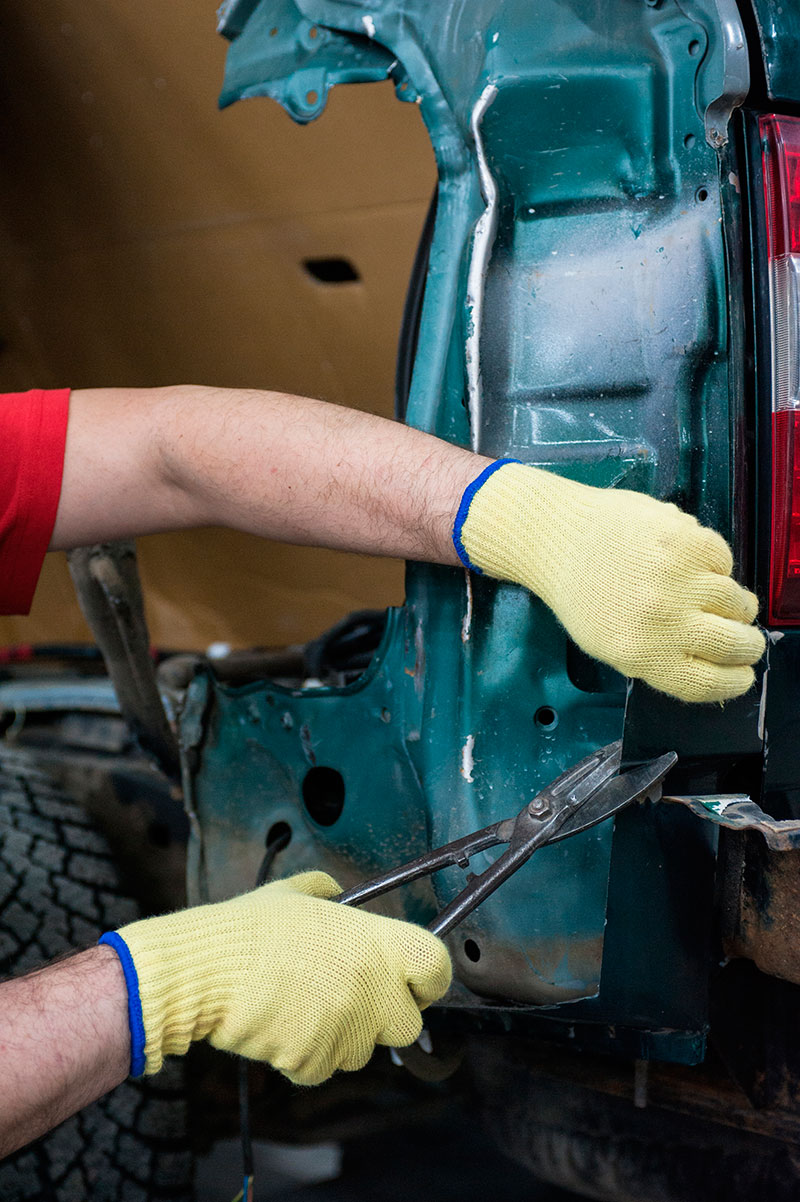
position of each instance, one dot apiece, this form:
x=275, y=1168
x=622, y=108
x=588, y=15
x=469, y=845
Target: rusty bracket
x=759, y=882
x=737, y=812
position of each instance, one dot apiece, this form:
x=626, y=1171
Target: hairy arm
x=636, y=582
x=140, y=461
x=64, y=1041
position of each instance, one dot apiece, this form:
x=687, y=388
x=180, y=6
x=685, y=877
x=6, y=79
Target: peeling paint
x=305, y=743
x=467, y=759
x=719, y=807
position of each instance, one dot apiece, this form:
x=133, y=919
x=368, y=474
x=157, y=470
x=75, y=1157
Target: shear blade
x=615, y=795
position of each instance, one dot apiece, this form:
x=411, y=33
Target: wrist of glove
x=636, y=582
x=281, y=974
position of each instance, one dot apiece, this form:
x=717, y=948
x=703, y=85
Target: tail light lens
x=780, y=141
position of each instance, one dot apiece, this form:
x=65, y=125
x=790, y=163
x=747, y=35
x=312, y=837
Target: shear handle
x=458, y=852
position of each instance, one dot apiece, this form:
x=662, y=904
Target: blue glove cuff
x=135, y=1019
x=463, y=510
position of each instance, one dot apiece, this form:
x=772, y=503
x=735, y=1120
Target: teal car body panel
x=581, y=312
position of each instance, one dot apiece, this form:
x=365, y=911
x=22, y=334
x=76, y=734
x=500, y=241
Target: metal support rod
x=106, y=579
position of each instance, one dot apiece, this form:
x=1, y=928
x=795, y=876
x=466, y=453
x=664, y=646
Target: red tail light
x=780, y=141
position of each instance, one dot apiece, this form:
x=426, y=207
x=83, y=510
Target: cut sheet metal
x=738, y=812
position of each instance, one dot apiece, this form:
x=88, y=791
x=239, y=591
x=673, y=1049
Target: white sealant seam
x=762, y=705
x=466, y=623
x=467, y=759
x=482, y=242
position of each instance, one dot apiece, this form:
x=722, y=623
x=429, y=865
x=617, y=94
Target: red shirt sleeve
x=33, y=435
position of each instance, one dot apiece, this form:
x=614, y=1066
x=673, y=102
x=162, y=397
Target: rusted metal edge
x=738, y=812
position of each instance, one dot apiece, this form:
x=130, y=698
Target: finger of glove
x=355, y=1050
x=313, y=1071
x=428, y=970
x=721, y=641
x=722, y=595
x=702, y=681
x=403, y=1022
x=312, y=884
x=714, y=552
x=350, y=1049
x=357, y=1059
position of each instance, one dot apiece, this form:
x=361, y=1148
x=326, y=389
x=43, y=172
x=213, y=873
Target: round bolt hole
x=323, y=795
x=279, y=833
x=472, y=951
x=701, y=195
x=312, y=97
x=689, y=141
x=694, y=48
x=546, y=718
x=158, y=833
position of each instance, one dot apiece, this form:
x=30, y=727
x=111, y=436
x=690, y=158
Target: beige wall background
x=146, y=239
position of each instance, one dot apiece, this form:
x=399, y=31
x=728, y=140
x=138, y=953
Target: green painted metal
x=779, y=34
x=295, y=61
x=578, y=261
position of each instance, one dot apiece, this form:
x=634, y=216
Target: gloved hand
x=636, y=582
x=280, y=974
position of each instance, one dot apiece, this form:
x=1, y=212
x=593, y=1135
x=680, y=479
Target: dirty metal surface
x=610, y=1131
x=762, y=920
x=706, y=1093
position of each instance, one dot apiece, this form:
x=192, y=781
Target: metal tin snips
x=583, y=796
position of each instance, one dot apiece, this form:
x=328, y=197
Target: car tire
x=59, y=890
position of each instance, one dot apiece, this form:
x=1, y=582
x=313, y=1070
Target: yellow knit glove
x=636, y=582
x=280, y=974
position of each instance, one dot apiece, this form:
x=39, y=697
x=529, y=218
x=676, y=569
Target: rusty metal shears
x=586, y=794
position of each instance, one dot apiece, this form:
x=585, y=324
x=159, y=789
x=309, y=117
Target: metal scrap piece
x=737, y=812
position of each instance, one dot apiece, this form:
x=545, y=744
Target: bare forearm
x=285, y=467
x=64, y=1041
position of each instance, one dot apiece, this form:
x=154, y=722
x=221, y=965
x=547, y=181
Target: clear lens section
x=784, y=303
